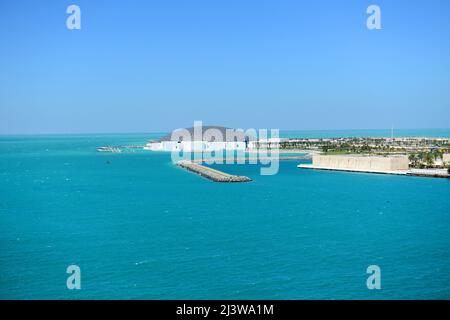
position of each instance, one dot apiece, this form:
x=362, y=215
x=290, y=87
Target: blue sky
x=142, y=66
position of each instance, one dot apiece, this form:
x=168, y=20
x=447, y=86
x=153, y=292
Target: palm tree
x=429, y=160
x=421, y=156
x=437, y=154
x=413, y=159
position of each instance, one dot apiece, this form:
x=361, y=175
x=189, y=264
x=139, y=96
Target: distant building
x=270, y=143
x=204, y=138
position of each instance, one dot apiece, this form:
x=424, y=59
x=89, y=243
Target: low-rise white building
x=204, y=138
x=359, y=162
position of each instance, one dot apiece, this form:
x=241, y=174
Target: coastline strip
x=410, y=172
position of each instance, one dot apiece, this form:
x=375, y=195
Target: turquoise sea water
x=139, y=227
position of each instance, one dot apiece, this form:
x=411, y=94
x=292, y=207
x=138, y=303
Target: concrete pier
x=253, y=159
x=397, y=172
x=212, y=174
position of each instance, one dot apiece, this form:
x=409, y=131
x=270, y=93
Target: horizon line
x=164, y=132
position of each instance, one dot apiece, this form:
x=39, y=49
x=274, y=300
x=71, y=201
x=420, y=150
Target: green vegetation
x=425, y=159
x=414, y=160
x=370, y=145
x=353, y=148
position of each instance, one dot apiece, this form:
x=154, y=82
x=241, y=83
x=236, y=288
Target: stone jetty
x=212, y=174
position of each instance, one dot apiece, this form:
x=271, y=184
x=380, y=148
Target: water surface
x=139, y=227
